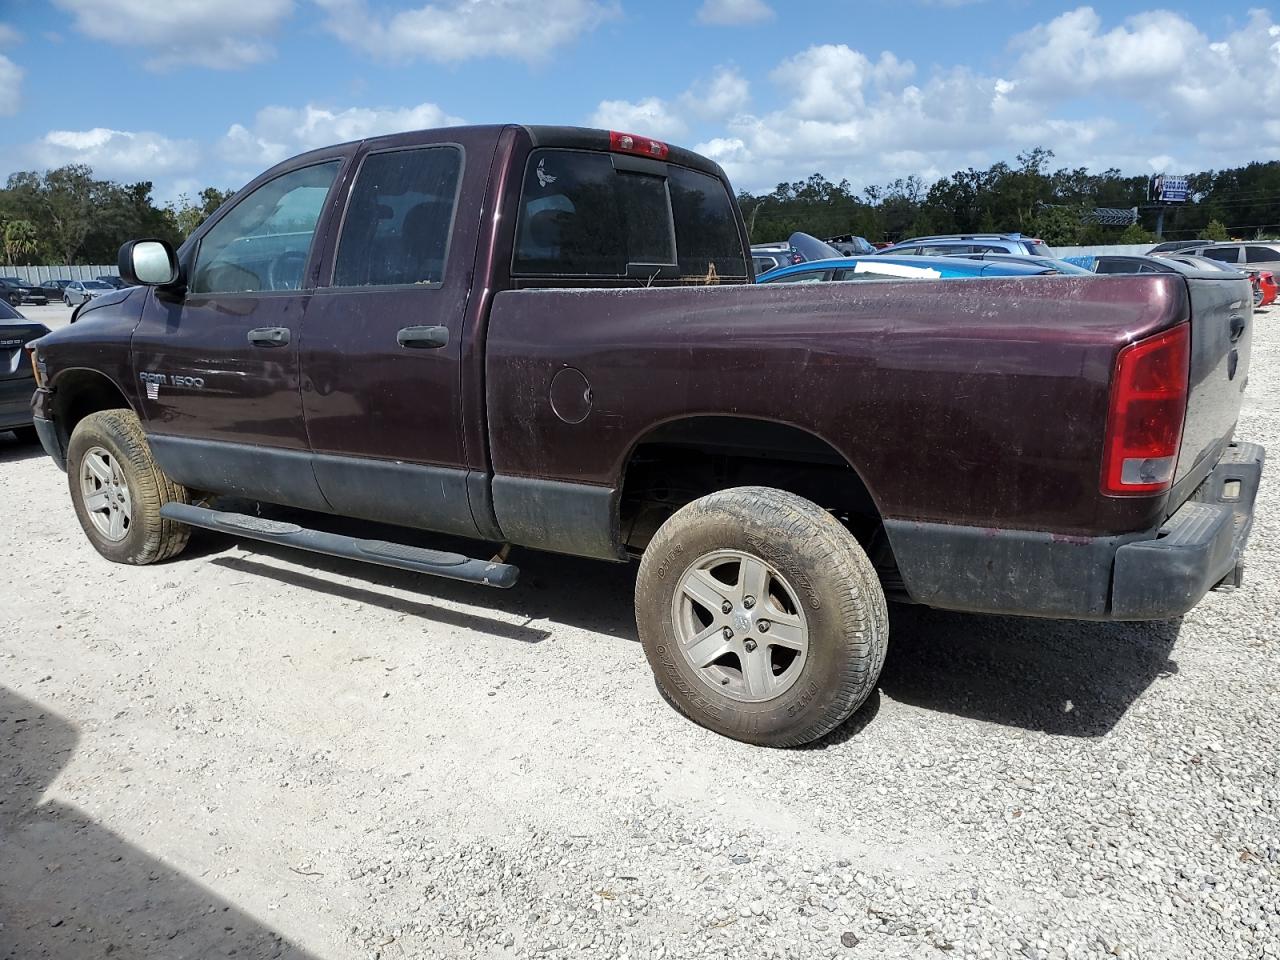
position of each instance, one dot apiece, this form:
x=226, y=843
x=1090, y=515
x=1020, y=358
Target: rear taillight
x=1148, y=406
x=641, y=146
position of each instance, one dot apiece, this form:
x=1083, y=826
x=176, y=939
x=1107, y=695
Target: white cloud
x=8, y=35
x=732, y=13
x=832, y=80
x=10, y=86
x=456, y=30
x=720, y=98
x=227, y=34
x=278, y=133
x=725, y=95
x=651, y=117
x=120, y=154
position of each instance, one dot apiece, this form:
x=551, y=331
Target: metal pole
x=1160, y=223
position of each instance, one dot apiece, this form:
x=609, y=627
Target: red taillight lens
x=1148, y=406
x=642, y=146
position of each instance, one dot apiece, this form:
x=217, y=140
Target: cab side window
x=399, y=219
x=263, y=243
x=1261, y=255
x=1224, y=254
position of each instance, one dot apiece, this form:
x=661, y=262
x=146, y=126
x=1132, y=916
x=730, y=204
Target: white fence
x=40, y=274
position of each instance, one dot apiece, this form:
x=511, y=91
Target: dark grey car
x=17, y=380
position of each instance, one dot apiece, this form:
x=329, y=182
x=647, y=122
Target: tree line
x=1027, y=196
x=69, y=216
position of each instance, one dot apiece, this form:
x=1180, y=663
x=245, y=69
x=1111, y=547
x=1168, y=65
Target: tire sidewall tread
x=831, y=576
x=151, y=538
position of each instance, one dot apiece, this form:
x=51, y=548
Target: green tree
x=1216, y=230
x=187, y=214
x=1058, y=226
x=1136, y=233
x=20, y=241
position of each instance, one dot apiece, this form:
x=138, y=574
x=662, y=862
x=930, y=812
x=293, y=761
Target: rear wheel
x=761, y=616
x=118, y=490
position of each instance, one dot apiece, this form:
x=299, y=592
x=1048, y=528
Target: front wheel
x=118, y=490
x=761, y=616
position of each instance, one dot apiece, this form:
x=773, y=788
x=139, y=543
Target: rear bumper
x=15, y=402
x=1197, y=548
x=1151, y=575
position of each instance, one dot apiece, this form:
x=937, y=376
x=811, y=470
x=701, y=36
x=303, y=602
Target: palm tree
x=19, y=240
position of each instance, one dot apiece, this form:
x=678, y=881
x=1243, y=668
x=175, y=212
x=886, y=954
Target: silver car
x=1256, y=255
x=78, y=291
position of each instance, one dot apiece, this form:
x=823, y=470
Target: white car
x=78, y=291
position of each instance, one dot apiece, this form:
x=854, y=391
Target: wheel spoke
x=708, y=646
x=787, y=631
x=757, y=670
x=753, y=579
x=97, y=501
x=117, y=523
x=705, y=590
x=100, y=470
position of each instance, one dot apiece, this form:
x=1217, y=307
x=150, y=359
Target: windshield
x=97, y=285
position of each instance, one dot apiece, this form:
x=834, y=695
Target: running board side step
x=454, y=566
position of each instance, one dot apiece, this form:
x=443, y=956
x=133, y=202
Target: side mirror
x=151, y=263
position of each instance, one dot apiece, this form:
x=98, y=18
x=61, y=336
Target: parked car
x=965, y=243
x=16, y=292
x=53, y=288
x=1052, y=263
x=899, y=268
x=111, y=280
x=581, y=364
x=17, y=381
x=767, y=256
x=1251, y=255
x=851, y=245
x=1169, y=246
x=78, y=291
x=1264, y=286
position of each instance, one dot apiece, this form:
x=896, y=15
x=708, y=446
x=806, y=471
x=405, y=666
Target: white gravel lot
x=256, y=753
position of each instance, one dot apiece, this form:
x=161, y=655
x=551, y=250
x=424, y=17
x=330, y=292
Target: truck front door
x=382, y=341
x=218, y=362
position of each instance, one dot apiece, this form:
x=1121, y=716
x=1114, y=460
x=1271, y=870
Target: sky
x=195, y=93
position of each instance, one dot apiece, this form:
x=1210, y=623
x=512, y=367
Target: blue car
x=881, y=267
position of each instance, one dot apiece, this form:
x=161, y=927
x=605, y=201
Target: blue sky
x=189, y=93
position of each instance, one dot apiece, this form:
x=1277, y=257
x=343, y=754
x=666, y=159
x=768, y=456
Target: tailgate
x=1221, y=334
x=13, y=358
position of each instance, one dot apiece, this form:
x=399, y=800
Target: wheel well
x=80, y=393
x=681, y=461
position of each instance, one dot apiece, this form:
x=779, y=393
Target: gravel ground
x=245, y=753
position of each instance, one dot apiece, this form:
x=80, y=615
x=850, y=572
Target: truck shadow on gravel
x=72, y=889
x=15, y=451
x=1063, y=677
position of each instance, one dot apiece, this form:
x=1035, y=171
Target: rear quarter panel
x=979, y=402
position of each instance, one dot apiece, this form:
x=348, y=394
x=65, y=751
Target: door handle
x=427, y=338
x=1237, y=328
x=269, y=336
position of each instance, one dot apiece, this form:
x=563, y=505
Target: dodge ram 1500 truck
x=549, y=337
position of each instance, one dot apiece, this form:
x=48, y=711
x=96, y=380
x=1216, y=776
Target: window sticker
x=544, y=179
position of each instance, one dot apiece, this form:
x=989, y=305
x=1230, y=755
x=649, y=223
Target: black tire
x=149, y=537
x=26, y=435
x=843, y=607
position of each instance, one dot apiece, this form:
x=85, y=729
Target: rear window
x=1037, y=249
x=1261, y=254
x=1225, y=254
x=581, y=217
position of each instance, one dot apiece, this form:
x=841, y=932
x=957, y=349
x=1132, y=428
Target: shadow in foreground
x=13, y=450
x=70, y=889
x=1066, y=677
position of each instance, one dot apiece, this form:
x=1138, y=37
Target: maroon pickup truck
x=549, y=337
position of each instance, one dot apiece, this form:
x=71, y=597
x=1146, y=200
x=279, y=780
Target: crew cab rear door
x=382, y=341
x=217, y=362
